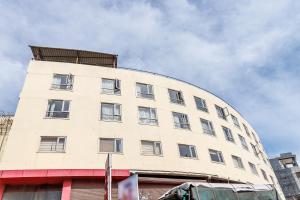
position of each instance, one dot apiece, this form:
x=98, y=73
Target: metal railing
x=111, y=117
x=62, y=86
x=57, y=114
x=111, y=91
x=148, y=121
x=145, y=95
x=183, y=125
x=52, y=148
x=209, y=132
x=178, y=101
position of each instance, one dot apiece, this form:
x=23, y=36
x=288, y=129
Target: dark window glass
x=187, y=151
x=30, y=192
x=176, y=96
x=58, y=109
x=201, y=104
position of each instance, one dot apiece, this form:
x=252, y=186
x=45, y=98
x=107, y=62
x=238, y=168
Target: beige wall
x=84, y=127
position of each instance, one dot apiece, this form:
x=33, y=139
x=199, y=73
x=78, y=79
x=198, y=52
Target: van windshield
x=203, y=193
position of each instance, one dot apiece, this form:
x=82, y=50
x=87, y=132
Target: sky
x=247, y=52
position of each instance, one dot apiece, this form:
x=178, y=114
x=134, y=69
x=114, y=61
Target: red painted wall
x=52, y=176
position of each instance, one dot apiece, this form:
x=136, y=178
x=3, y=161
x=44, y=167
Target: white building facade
x=71, y=115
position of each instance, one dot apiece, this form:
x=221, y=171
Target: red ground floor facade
x=70, y=184
x=65, y=179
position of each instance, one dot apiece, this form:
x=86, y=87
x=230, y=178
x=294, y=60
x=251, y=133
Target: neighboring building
x=6, y=120
x=77, y=106
x=287, y=172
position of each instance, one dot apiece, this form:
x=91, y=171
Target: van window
x=224, y=194
x=247, y=195
x=201, y=193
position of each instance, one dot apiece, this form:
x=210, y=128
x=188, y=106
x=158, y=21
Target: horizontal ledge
x=70, y=173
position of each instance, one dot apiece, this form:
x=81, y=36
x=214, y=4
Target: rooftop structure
x=74, y=56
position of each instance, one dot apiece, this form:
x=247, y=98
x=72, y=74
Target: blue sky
x=247, y=52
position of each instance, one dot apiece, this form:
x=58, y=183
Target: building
x=6, y=120
x=76, y=106
x=287, y=172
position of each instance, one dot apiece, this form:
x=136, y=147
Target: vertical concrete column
x=66, y=190
x=2, y=187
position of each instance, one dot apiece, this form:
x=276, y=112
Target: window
x=264, y=174
x=264, y=159
x=237, y=161
x=201, y=104
x=246, y=130
x=253, y=168
x=187, y=151
x=111, y=145
x=243, y=142
x=111, y=112
x=32, y=192
x=58, y=109
x=202, y=193
x=224, y=194
x=254, y=149
x=272, y=179
x=216, y=156
x=144, y=90
x=181, y=120
x=52, y=144
x=151, y=148
x=147, y=115
x=62, y=81
x=228, y=134
x=111, y=86
x=207, y=127
x=221, y=112
x=176, y=96
x=235, y=121
x=253, y=134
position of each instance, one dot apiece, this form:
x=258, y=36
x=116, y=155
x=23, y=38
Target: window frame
x=239, y=161
x=57, y=142
x=247, y=130
x=210, y=132
x=272, y=180
x=203, y=102
x=254, y=136
x=115, y=145
x=226, y=136
x=49, y=113
x=243, y=142
x=154, y=146
x=253, y=168
x=182, y=115
x=263, y=172
x=219, y=155
x=235, y=121
x=179, y=97
x=219, y=110
x=190, y=151
x=155, y=123
x=117, y=87
x=254, y=150
x=115, y=117
x=69, y=85
x=148, y=95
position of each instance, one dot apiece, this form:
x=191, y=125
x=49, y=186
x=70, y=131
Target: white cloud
x=244, y=51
